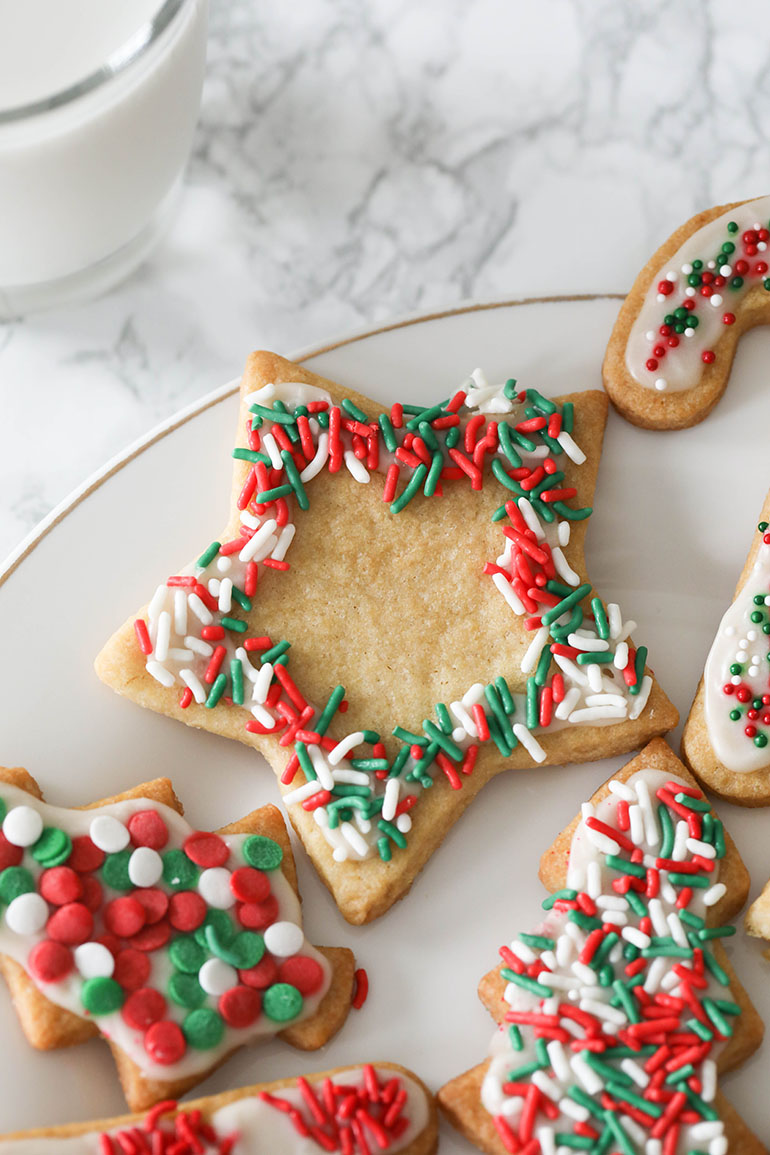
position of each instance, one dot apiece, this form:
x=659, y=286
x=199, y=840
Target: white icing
x=577, y=983
x=66, y=993
x=263, y=1129
x=681, y=368
x=738, y=639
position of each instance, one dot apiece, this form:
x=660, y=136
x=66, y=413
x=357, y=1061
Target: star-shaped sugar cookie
x=177, y=946
x=397, y=611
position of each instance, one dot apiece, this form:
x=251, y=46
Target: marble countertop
x=358, y=161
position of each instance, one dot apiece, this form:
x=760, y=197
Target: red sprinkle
x=240, y=1006
x=71, y=924
x=206, y=849
x=147, y=828
x=361, y=989
x=60, y=885
x=143, y=1008
x=165, y=1043
x=186, y=910
x=50, y=962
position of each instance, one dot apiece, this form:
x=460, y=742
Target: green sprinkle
x=101, y=996
x=186, y=955
x=704, y=1109
x=607, y=945
x=14, y=881
x=540, y=402
x=717, y=1018
x=434, y=473
x=223, y=924
x=699, y=804
x=408, y=736
x=499, y=471
x=628, y=1096
x=668, y=951
x=600, y=617
x=667, y=827
x=691, y=919
x=243, y=952
x=281, y=1002
x=425, y=415
x=273, y=415
x=595, y=657
x=514, y=1034
x=700, y=881
x=388, y=435
x=234, y=625
x=640, y=659
x=429, y=437
x=370, y=765
x=276, y=651
x=523, y=1072
x=329, y=710
x=616, y=1127
x=543, y=666
x=295, y=480
x=531, y=985
x=584, y=921
x=250, y=455
x=383, y=847
x=719, y=838
x=506, y=697
x=532, y=704
x=507, y=446
x=186, y=991
x=262, y=853
x=178, y=871
x=399, y=762
x=637, y=904
x=538, y=941
x=496, y=707
x=209, y=554
x=444, y=719
x=699, y=1029
x=712, y=965
x=566, y=604
x=566, y=894
x=413, y=487
x=115, y=870
x=447, y=744
x=626, y=1000
x=571, y=514
x=567, y=416
x=52, y=848
x=267, y=495
x=392, y=832
x=236, y=677
x=204, y=1029
x=240, y=597
x=624, y=867
x=217, y=690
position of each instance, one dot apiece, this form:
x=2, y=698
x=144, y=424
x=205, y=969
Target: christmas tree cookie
x=671, y=350
x=352, y=1110
x=397, y=611
x=726, y=739
x=620, y=1012
x=176, y=945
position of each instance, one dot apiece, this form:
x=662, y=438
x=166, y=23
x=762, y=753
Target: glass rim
x=137, y=44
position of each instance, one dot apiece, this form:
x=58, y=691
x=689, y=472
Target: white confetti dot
x=716, y=300
x=726, y=270
x=284, y=938
x=214, y=887
x=671, y=276
x=216, y=976
x=22, y=826
x=27, y=914
x=687, y=269
x=145, y=866
x=661, y=383
x=108, y=834
x=650, y=335
x=689, y=291
x=94, y=960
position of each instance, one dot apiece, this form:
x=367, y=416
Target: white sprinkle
x=545, y=1138
x=145, y=866
x=356, y=468
x=284, y=938
x=261, y=395
x=523, y=952
x=94, y=961
x=344, y=746
x=563, y=532
x=573, y=672
x=158, y=602
x=567, y=704
x=160, y=673
x=584, y=973
x=175, y=655
x=636, y=824
x=390, y=801
x=529, y=661
x=709, y=1080
x=558, y=1057
x=474, y=696
x=464, y=718
x=321, y=767
x=582, y=642
x=597, y=714
x=247, y=519
x=243, y=657
x=614, y=620
x=651, y=832
x=529, y=742
x=595, y=677
x=531, y=518
x=620, y=661
x=262, y=538
x=180, y=612
x=658, y=916
x=314, y=467
x=714, y=893
x=22, y=826
x=715, y=300
x=616, y=916
x=216, y=976
x=620, y=790
x=635, y=1072
x=588, y=1077
x=225, y=595
x=213, y=586
x=27, y=914
x=603, y=1011
x=214, y=887
x=224, y=564
x=302, y=793
x=676, y=929
x=636, y=937
x=109, y=834
x=270, y=446
x=593, y=879
x=163, y=636
x=404, y=823
x=506, y=589
x=661, y=384
x=353, y=777
x=679, y=852
x=563, y=568
x=285, y=538
x=546, y=1085
x=705, y=849
x=573, y=451
x=262, y=683
x=356, y=842
x=197, y=645
x=573, y=1110
x=202, y=613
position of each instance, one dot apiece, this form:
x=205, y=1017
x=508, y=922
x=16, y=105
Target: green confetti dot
x=203, y=1029
x=735, y=668
x=115, y=870
x=731, y=228
x=282, y=1002
x=242, y=952
x=735, y=715
x=178, y=871
x=101, y=996
x=186, y=991
x=736, y=283
x=262, y=853
x=760, y=740
x=15, y=880
x=186, y=954
x=697, y=264
x=53, y=847
x=223, y=926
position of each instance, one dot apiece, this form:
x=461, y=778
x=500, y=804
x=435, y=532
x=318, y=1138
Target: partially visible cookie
x=726, y=738
x=672, y=347
x=619, y=1012
x=177, y=946
x=353, y=1110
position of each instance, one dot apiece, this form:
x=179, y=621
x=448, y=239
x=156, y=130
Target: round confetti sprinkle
x=15, y=880
x=214, y=887
x=223, y=925
x=284, y=938
x=302, y=972
x=145, y=866
x=85, y=856
x=258, y=915
x=9, y=855
x=111, y=941
x=22, y=826
x=71, y=924
x=262, y=853
x=124, y=916
x=101, y=996
x=92, y=893
x=249, y=885
x=206, y=850
x=153, y=937
x=27, y=914
x=147, y=828
x=132, y=969
x=186, y=910
x=143, y=1008
x=53, y=847
x=109, y=834
x=240, y=1007
x=164, y=1042
x=264, y=974
x=186, y=991
x=178, y=871
x=216, y=976
x=115, y=870
x=94, y=960
x=60, y=884
x=282, y=1002
x=203, y=1029
x=50, y=962
x=154, y=901
x=186, y=955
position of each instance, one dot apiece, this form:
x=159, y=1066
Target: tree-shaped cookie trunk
x=620, y=1012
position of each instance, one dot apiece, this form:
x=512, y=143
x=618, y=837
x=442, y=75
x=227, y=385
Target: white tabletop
x=355, y=162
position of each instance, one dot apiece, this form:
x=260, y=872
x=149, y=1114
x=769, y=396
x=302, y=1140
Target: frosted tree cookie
x=669, y=357
x=397, y=611
x=618, y=1014
x=352, y=1110
x=726, y=739
x=177, y=946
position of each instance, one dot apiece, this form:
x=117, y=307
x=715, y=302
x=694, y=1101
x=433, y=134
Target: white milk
x=90, y=157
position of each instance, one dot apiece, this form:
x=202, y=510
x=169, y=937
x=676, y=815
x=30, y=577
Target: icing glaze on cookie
x=180, y=945
x=383, y=1107
x=581, y=668
x=695, y=295
x=737, y=674
x=623, y=964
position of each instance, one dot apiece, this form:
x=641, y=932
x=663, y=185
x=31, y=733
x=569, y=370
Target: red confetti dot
x=302, y=972
x=673, y=342
x=59, y=885
x=264, y=974
x=659, y=351
x=750, y=237
x=206, y=850
x=728, y=688
x=665, y=288
x=760, y=268
x=72, y=924
x=124, y=916
x=10, y=855
x=249, y=885
x=152, y=937
x=752, y=714
x=240, y=1006
x=86, y=855
x=719, y=282
x=664, y=330
x=743, y=693
x=741, y=267
x=708, y=356
x=165, y=1043
x=728, y=319
x=707, y=277
x=50, y=962
x=154, y=901
x=111, y=941
x=688, y=304
x=147, y=828
x=92, y=893
x=750, y=731
x=132, y=969
x=143, y=1008
x=706, y=291
x=258, y=915
x=186, y=910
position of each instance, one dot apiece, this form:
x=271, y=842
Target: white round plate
x=674, y=517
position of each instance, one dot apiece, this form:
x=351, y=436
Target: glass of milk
x=98, y=104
